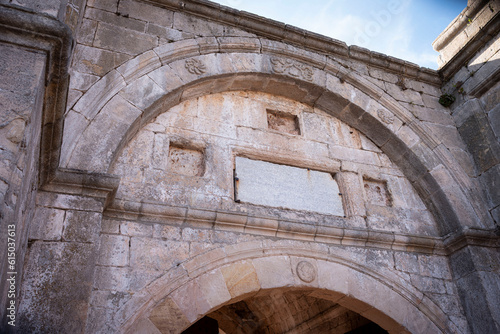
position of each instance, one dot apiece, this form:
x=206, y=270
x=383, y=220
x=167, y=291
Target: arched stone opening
x=251, y=271
x=290, y=311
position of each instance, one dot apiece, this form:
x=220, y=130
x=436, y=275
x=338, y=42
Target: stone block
x=153, y=255
x=491, y=182
x=82, y=81
x=333, y=277
x=146, y=12
x=241, y=279
x=286, y=186
x=48, y=224
x=139, y=66
x=475, y=305
x=112, y=278
x=274, y=272
x=116, y=20
x=110, y=126
x=168, y=317
x=109, y=5
x=110, y=226
x=51, y=271
x=167, y=232
x=142, y=93
x=96, y=61
x=114, y=250
x=494, y=118
x=144, y=326
x=99, y=94
x=123, y=40
x=434, y=266
x=133, y=229
x=239, y=44
x=191, y=301
x=179, y=50
x=71, y=202
x=354, y=155
x=74, y=124
x=197, y=26
x=82, y=226
x=86, y=33
x=213, y=288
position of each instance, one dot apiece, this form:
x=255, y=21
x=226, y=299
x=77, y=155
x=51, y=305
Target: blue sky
x=400, y=28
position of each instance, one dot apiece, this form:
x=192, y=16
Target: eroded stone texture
x=282, y=122
x=185, y=161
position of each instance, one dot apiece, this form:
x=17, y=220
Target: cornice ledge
x=461, y=58
x=272, y=226
x=78, y=182
x=471, y=237
x=275, y=30
x=457, y=24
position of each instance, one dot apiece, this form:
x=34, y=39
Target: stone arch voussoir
x=226, y=275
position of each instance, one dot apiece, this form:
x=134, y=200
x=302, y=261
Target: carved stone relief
x=385, y=116
x=195, y=66
x=291, y=68
x=306, y=271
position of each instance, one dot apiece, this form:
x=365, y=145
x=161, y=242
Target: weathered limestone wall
x=477, y=115
x=63, y=244
x=224, y=126
x=67, y=11
x=143, y=238
x=21, y=102
x=471, y=68
x=166, y=94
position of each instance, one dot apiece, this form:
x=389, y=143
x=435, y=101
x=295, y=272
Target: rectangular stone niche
x=282, y=122
x=186, y=161
x=377, y=192
x=281, y=186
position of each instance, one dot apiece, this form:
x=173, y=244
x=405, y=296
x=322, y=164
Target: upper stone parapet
x=467, y=32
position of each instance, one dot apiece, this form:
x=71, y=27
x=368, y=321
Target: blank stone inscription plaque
x=265, y=183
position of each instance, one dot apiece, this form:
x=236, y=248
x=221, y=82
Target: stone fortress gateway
x=166, y=161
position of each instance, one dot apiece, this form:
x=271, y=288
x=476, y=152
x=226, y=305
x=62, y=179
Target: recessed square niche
x=377, y=192
x=281, y=186
x=186, y=161
x=283, y=122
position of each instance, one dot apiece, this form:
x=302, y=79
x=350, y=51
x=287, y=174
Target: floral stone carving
x=291, y=68
x=195, y=66
x=385, y=116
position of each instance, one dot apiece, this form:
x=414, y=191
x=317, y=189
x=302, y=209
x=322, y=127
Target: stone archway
x=234, y=273
x=127, y=98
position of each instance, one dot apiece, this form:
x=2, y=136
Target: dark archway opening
x=281, y=312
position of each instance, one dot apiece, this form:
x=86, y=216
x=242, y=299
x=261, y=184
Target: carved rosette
x=195, y=66
x=306, y=271
x=385, y=116
x=292, y=69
